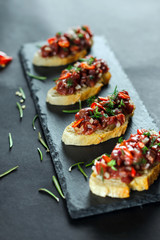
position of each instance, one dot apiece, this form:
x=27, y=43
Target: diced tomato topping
x=141, y=131
x=86, y=66
x=87, y=29
x=63, y=42
x=51, y=40
x=74, y=48
x=65, y=75
x=106, y=158
x=141, y=145
x=4, y=59
x=103, y=98
x=133, y=172
x=94, y=104
x=128, y=153
x=77, y=123
x=123, y=95
x=101, y=168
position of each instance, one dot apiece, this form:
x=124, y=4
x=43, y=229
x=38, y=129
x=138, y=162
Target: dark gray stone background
x=132, y=30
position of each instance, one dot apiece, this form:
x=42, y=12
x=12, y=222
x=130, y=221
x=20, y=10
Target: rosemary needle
x=58, y=186
x=40, y=154
x=10, y=140
x=36, y=77
x=22, y=93
x=70, y=168
x=33, y=122
x=20, y=110
x=82, y=171
x=50, y=193
x=9, y=171
x=43, y=142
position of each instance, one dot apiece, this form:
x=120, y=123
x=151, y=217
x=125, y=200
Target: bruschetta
x=66, y=48
x=105, y=118
x=133, y=164
x=79, y=82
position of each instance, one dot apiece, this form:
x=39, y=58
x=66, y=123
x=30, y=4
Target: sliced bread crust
x=54, y=61
x=55, y=98
x=70, y=137
x=117, y=189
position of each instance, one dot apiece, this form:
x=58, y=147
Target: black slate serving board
x=80, y=201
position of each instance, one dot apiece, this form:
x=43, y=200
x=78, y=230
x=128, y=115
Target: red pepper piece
x=63, y=42
x=86, y=66
x=77, y=122
x=141, y=145
x=141, y=131
x=123, y=95
x=133, y=172
x=65, y=75
x=51, y=40
x=103, y=98
x=87, y=29
x=74, y=48
x=4, y=59
x=94, y=104
x=101, y=168
x=106, y=158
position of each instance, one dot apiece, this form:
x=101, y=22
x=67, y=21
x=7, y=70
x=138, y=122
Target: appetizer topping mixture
x=4, y=59
x=69, y=43
x=84, y=73
x=104, y=112
x=130, y=158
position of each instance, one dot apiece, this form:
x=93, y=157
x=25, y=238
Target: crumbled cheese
x=78, y=87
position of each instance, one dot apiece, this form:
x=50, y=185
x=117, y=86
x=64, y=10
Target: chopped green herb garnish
x=105, y=115
x=69, y=82
x=144, y=150
x=50, y=193
x=82, y=171
x=89, y=60
x=123, y=153
x=9, y=171
x=112, y=164
x=58, y=33
x=158, y=144
x=69, y=67
x=70, y=168
x=90, y=100
x=71, y=111
x=152, y=141
x=80, y=35
x=36, y=77
x=33, y=122
x=147, y=134
x=58, y=186
x=20, y=110
x=40, y=154
x=121, y=104
x=43, y=142
x=10, y=140
x=120, y=139
x=22, y=93
x=83, y=28
x=141, y=161
x=91, y=77
x=96, y=114
x=55, y=79
x=114, y=94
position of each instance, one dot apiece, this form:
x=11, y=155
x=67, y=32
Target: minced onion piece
x=20, y=110
x=58, y=186
x=33, y=122
x=10, y=140
x=50, y=193
x=9, y=171
x=43, y=142
x=40, y=154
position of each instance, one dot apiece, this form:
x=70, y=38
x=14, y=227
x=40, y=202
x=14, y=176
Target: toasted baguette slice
x=54, y=61
x=70, y=137
x=55, y=98
x=117, y=189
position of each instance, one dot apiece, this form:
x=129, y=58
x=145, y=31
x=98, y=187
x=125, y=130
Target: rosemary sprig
x=33, y=122
x=58, y=186
x=43, y=142
x=50, y=193
x=82, y=171
x=20, y=110
x=10, y=140
x=40, y=154
x=22, y=93
x=93, y=161
x=75, y=110
x=36, y=77
x=70, y=168
x=9, y=171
